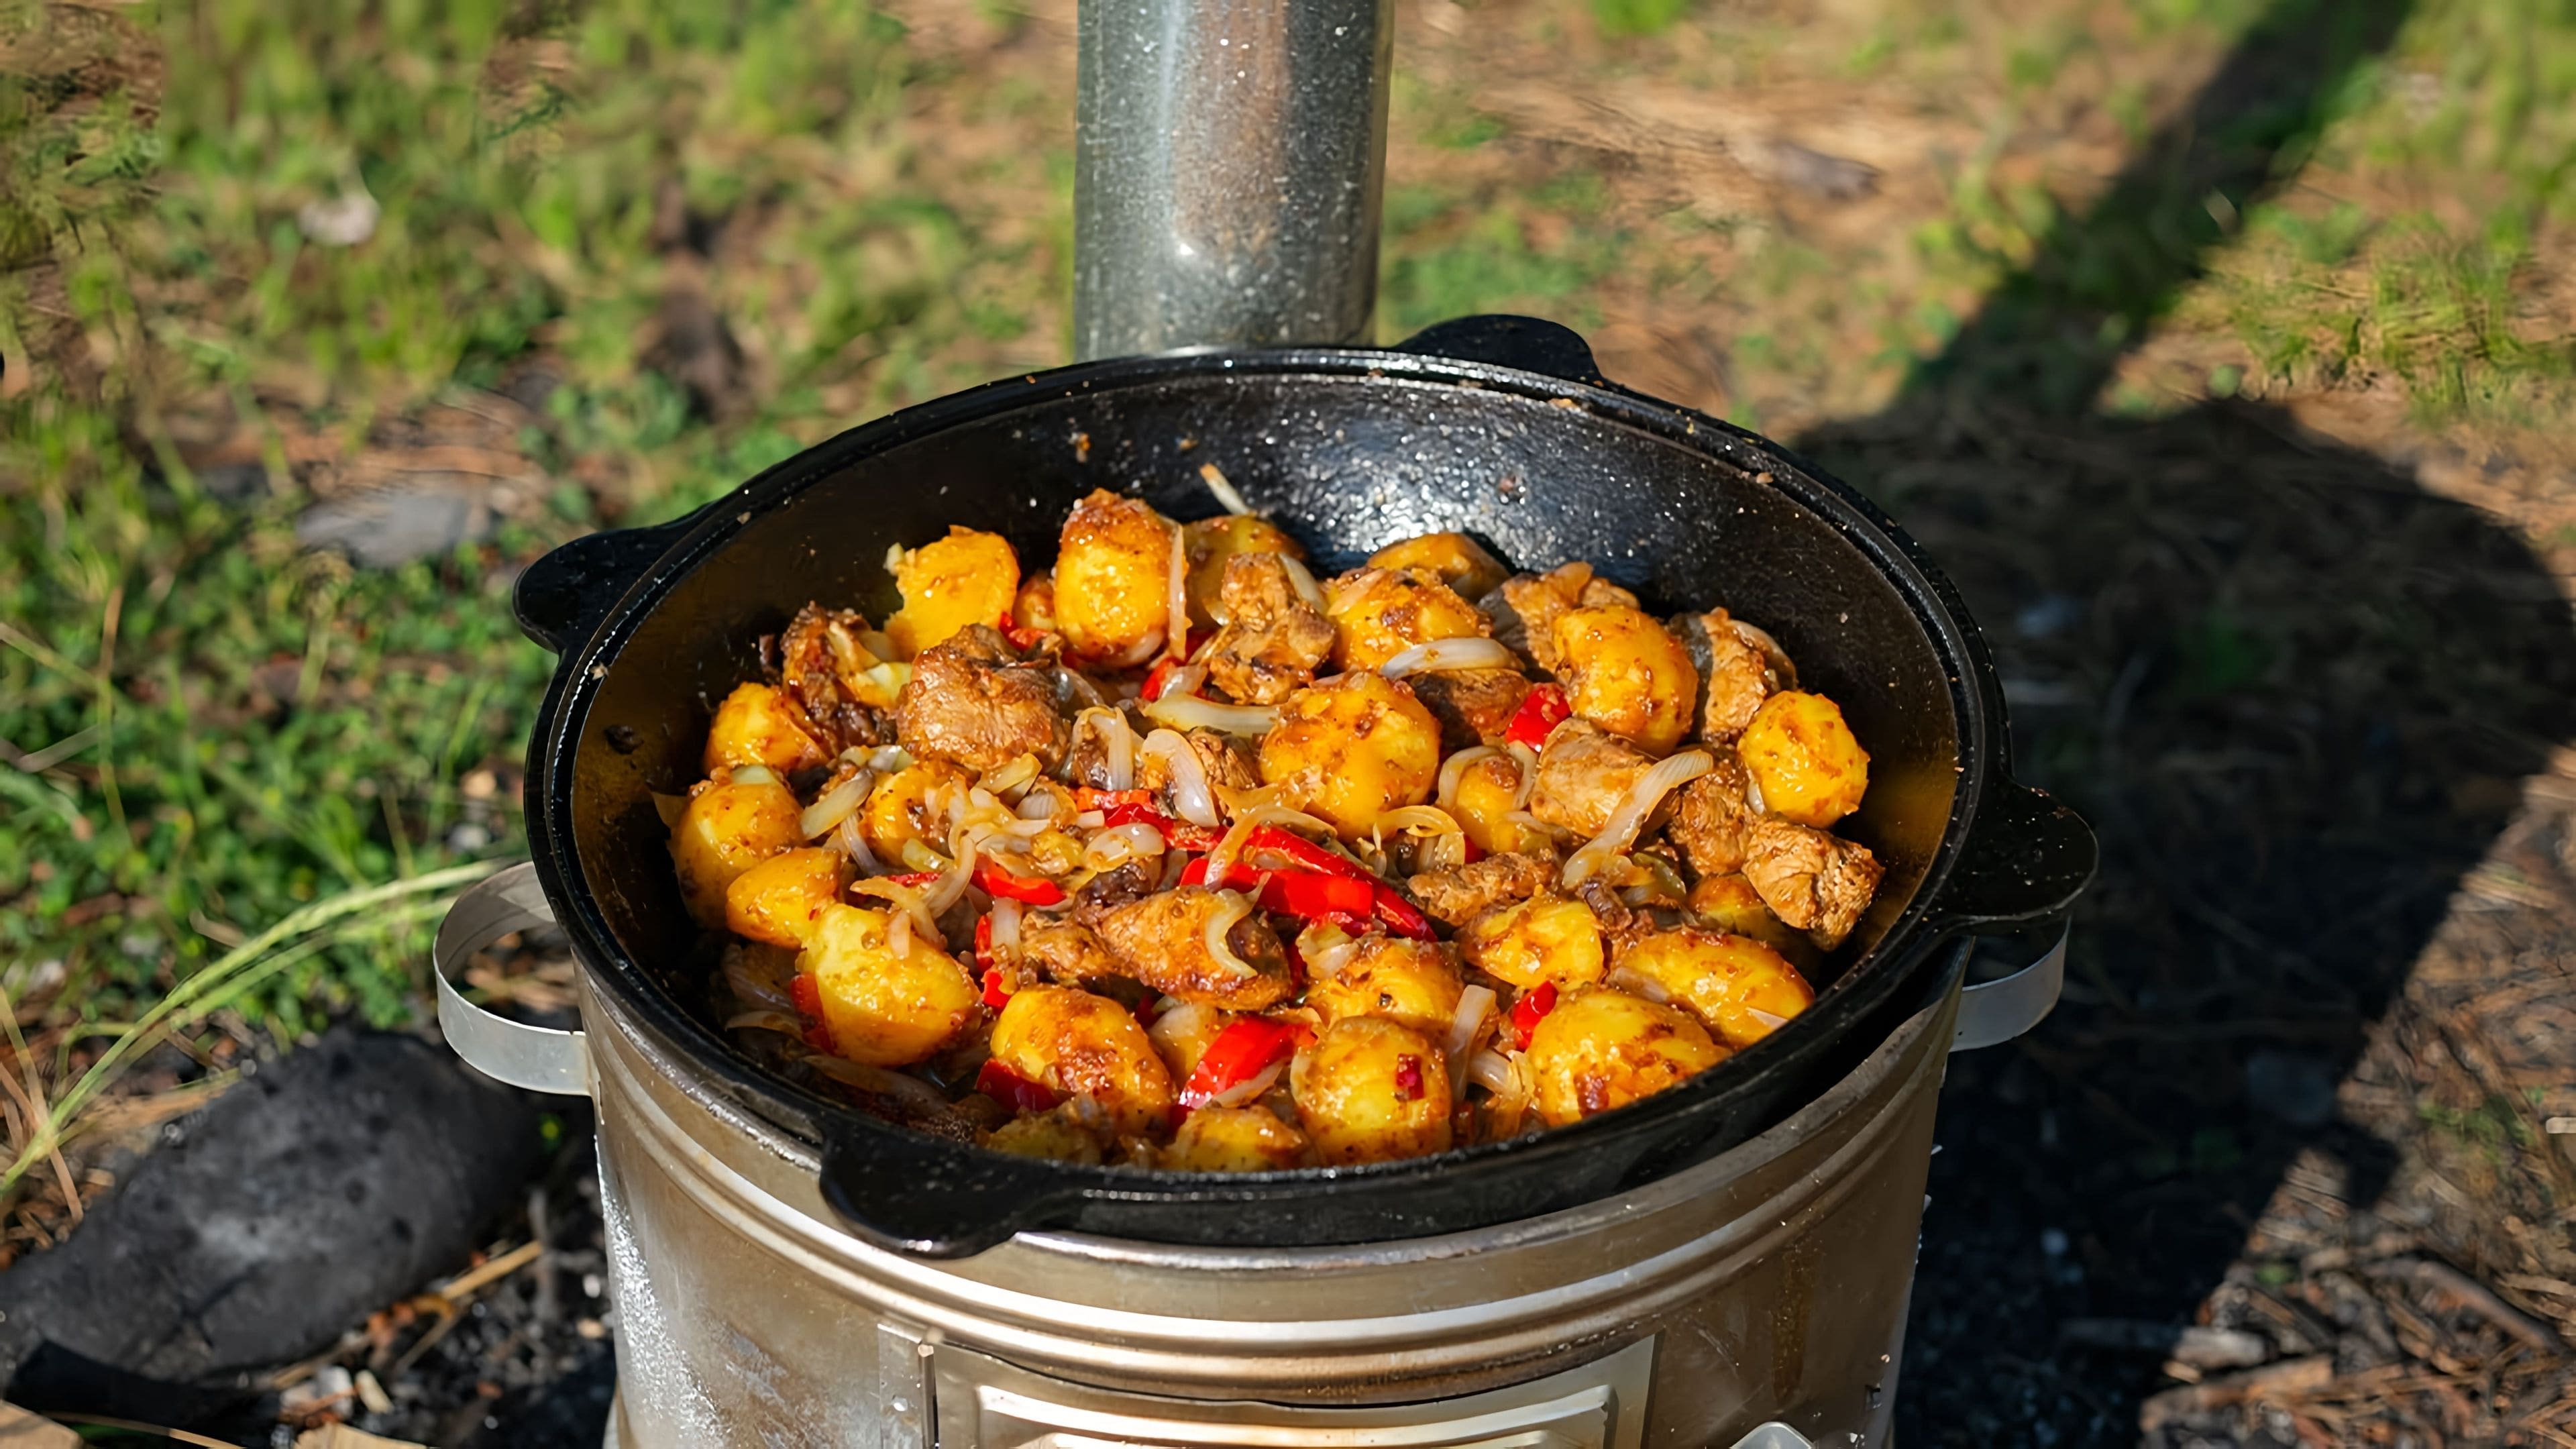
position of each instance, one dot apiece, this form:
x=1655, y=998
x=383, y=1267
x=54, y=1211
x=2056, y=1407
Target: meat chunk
x=1739, y=667
x=1474, y=706
x=1455, y=895
x=824, y=666
x=1065, y=952
x=1525, y=608
x=1714, y=814
x=1816, y=882
x=1272, y=642
x=1111, y=889
x=1228, y=762
x=1162, y=942
x=1583, y=773
x=970, y=701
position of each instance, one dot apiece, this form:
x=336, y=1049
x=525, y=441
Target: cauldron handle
x=926, y=1197
x=538, y=1058
x=561, y=598
x=1532, y=344
x=2027, y=858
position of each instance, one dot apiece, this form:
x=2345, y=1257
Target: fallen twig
x=2449, y=1282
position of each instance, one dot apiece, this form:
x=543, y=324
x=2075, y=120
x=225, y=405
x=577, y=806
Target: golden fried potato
x=1735, y=984
x=727, y=828
x=779, y=900
x=1544, y=938
x=1525, y=607
x=878, y=1007
x=1730, y=903
x=1112, y=579
x=1351, y=748
x=758, y=725
x=1034, y=608
x=898, y=809
x=1058, y=1136
x=966, y=578
x=1369, y=1090
x=1404, y=981
x=1075, y=1043
x=1379, y=613
x=1460, y=561
x=1625, y=672
x=1601, y=1049
x=1483, y=805
x=1804, y=760
x=1235, y=1139
x=1210, y=542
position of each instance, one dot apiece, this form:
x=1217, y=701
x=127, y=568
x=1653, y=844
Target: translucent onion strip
x=1226, y=498
x=754, y=775
x=1527, y=759
x=1176, y=598
x=912, y=912
x=1232, y=906
x=1419, y=820
x=1326, y=949
x=1191, y=798
x=1006, y=924
x=1637, y=985
x=754, y=987
x=1493, y=1072
x=1111, y=848
x=1117, y=737
x=1188, y=712
x=1454, y=769
x=670, y=808
x=1302, y=580
x=1221, y=859
x=1014, y=776
x=1474, y=1005
x=836, y=805
x=1448, y=656
x=855, y=846
x=1629, y=817
x=1250, y=1087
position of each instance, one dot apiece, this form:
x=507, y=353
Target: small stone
x=339, y=221
x=419, y=518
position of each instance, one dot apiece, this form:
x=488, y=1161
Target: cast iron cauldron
x=1498, y=426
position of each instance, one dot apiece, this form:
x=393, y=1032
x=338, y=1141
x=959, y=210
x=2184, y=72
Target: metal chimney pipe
x=1229, y=159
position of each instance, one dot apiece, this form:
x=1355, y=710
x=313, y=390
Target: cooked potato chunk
x=1235, y=1139
x=1411, y=982
x=966, y=578
x=1351, y=748
x=1379, y=613
x=1625, y=672
x=1058, y=1136
x=898, y=809
x=878, y=1007
x=1544, y=938
x=758, y=725
x=1460, y=561
x=1739, y=987
x=1112, y=579
x=1488, y=791
x=728, y=827
x=1073, y=1042
x=779, y=900
x=1211, y=542
x=1804, y=760
x=1601, y=1049
x=1730, y=903
x=1369, y=1090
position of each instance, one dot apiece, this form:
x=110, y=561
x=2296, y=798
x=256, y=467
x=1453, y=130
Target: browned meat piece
x=1816, y=882
x=1109, y=890
x=1710, y=825
x=1453, y=896
x=1474, y=706
x=1272, y=642
x=1739, y=667
x=967, y=701
x=1524, y=609
x=820, y=665
x=1162, y=942
x=1063, y=951
x=1583, y=772
x=1621, y=925
x=1229, y=765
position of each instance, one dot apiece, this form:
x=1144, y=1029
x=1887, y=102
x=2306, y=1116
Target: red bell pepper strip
x=1249, y=1046
x=1022, y=637
x=913, y=878
x=1311, y=896
x=1527, y=1011
x=994, y=996
x=1086, y=797
x=1035, y=890
x=1177, y=834
x=1013, y=1090
x=1408, y=1078
x=983, y=940
x=1301, y=853
x=1399, y=914
x=1542, y=709
x=1158, y=679
x=808, y=997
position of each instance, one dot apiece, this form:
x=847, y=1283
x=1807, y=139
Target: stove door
x=983, y=1403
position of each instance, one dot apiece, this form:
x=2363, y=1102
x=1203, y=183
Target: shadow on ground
x=2295, y=694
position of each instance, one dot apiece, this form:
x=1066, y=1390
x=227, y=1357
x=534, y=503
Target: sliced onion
x=670, y=808
x=1418, y=819
x=1753, y=794
x=1250, y=1087
x=1191, y=798
x=876, y=643
x=1527, y=758
x=1185, y=680
x=1492, y=1071
x=887, y=680
x=1221, y=859
x=943, y=892
x=1227, y=499
x=1474, y=1005
x=1302, y=580
x=1636, y=985
x=1134, y=654
x=902, y=1086
x=1091, y=820
x=899, y=935
x=1181, y=1026
x=1188, y=712
x=1006, y=924
x=1016, y=775
x=911, y=911
x=1448, y=656
x=1111, y=848
x=1117, y=736
x=1176, y=598
x=1629, y=816
x=777, y=1021
x=1770, y=1019
x=1077, y=686
x=754, y=775
x=1038, y=805
x=1326, y=949
x=836, y=805
x=890, y=760
x=1232, y=906
x=753, y=987
x=1454, y=769
x=855, y=846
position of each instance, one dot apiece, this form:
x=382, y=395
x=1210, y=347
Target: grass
x=213, y=729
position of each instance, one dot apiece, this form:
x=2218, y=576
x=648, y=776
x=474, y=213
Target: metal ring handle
x=538, y=1058
x=1993, y=1012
